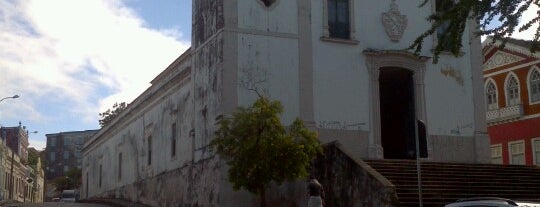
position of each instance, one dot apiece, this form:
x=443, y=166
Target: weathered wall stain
x=453, y=73
x=207, y=20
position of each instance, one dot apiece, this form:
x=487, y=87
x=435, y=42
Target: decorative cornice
x=501, y=58
x=488, y=42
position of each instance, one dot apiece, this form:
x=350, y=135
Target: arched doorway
x=408, y=70
x=397, y=113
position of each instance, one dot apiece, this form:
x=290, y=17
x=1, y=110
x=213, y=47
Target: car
x=490, y=202
x=70, y=196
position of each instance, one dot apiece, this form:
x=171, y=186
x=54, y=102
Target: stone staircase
x=444, y=183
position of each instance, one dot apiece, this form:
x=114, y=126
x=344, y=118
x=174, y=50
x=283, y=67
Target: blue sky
x=69, y=64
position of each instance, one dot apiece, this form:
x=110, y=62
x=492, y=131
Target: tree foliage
x=496, y=18
x=260, y=150
x=72, y=180
x=33, y=157
x=109, y=115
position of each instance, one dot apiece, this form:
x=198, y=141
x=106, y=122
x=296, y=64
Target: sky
x=69, y=60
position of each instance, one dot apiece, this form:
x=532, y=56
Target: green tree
x=72, y=180
x=33, y=156
x=496, y=18
x=260, y=150
x=109, y=115
x=75, y=176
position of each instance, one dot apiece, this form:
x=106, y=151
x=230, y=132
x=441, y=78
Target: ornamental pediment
x=501, y=58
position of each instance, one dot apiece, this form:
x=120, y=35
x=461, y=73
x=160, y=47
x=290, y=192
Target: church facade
x=339, y=65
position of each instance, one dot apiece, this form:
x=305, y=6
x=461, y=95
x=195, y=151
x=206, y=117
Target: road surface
x=56, y=204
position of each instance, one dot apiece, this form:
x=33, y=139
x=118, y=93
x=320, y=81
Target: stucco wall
x=268, y=46
x=151, y=115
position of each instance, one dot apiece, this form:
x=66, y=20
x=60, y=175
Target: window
x=120, y=166
x=440, y=7
x=66, y=168
x=536, y=151
x=512, y=91
x=52, y=157
x=517, y=153
x=173, y=140
x=491, y=96
x=52, y=141
x=496, y=154
x=66, y=155
x=67, y=142
x=339, y=19
x=100, y=173
x=149, y=150
x=534, y=84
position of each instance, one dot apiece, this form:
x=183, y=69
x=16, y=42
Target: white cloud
x=37, y=144
x=526, y=17
x=70, y=51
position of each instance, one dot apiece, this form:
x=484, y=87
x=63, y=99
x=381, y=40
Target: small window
x=100, y=174
x=66, y=168
x=149, y=150
x=67, y=142
x=517, y=153
x=173, y=140
x=338, y=12
x=52, y=141
x=536, y=147
x=496, y=154
x=512, y=91
x=534, y=83
x=52, y=157
x=491, y=96
x=66, y=155
x=120, y=166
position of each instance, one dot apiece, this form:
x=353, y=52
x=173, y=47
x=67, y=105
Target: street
x=55, y=204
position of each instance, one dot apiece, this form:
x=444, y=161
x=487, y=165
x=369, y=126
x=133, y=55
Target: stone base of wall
x=452, y=149
x=351, y=182
x=191, y=185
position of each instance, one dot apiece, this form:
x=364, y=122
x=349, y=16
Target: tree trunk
x=263, y=197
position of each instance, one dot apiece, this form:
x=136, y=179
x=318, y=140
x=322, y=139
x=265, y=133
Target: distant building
x=63, y=151
x=26, y=184
x=512, y=94
x=16, y=138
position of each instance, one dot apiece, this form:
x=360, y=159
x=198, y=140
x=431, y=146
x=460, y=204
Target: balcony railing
x=504, y=114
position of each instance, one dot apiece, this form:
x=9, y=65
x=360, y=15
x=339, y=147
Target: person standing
x=316, y=192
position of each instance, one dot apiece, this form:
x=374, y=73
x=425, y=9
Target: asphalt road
x=54, y=204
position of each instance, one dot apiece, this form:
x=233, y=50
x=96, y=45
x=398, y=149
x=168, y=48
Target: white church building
x=339, y=65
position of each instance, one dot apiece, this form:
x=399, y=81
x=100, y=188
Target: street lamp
x=13, y=97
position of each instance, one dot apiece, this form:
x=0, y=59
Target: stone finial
x=394, y=22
